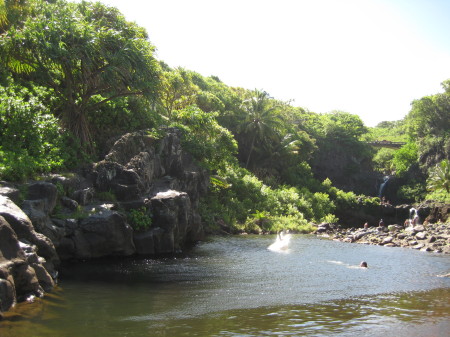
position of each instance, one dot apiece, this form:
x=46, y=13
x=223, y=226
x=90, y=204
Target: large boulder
x=39, y=216
x=146, y=165
x=114, y=177
x=174, y=223
x=9, y=244
x=10, y=191
x=173, y=213
x=22, y=271
x=23, y=227
x=139, y=171
x=140, y=167
x=45, y=191
x=41, y=199
x=439, y=213
x=105, y=233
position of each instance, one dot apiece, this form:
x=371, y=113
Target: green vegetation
x=75, y=75
x=78, y=213
x=140, y=219
x=438, y=182
x=105, y=196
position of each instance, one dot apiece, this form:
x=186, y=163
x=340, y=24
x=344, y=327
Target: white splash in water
x=281, y=242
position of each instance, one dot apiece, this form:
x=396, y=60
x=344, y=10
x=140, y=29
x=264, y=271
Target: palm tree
x=12, y=11
x=261, y=122
x=3, y=18
x=440, y=177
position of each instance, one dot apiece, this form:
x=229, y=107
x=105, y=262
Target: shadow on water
x=401, y=314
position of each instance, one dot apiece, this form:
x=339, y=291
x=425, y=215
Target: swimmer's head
x=363, y=264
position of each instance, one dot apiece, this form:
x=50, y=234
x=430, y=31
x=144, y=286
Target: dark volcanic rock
x=430, y=237
x=25, y=231
x=22, y=271
x=88, y=214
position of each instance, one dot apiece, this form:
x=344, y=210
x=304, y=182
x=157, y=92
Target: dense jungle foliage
x=75, y=76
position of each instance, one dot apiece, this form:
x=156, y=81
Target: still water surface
x=235, y=286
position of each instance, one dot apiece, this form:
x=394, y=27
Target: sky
x=371, y=58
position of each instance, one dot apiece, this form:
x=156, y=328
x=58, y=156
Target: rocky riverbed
x=429, y=237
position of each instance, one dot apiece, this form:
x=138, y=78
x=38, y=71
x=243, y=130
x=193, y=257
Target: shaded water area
x=235, y=286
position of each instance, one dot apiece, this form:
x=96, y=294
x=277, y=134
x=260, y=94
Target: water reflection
x=409, y=314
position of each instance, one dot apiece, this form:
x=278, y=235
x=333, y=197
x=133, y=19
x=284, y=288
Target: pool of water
x=235, y=286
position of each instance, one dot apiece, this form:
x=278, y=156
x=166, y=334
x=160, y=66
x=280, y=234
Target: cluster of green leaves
x=404, y=158
x=30, y=138
x=438, y=182
x=140, y=219
x=211, y=144
x=106, y=196
x=392, y=131
x=242, y=201
x=87, y=53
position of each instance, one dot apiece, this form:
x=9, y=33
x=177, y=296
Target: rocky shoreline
x=428, y=237
x=142, y=199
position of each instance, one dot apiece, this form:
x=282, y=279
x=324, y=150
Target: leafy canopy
x=82, y=51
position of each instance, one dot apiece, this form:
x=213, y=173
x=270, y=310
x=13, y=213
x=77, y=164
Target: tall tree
x=343, y=126
x=177, y=91
x=429, y=125
x=429, y=115
x=86, y=52
x=3, y=17
x=261, y=123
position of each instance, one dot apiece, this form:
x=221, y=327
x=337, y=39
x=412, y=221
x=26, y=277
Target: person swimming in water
x=363, y=264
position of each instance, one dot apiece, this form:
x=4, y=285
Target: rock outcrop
x=92, y=214
x=154, y=176
x=27, y=258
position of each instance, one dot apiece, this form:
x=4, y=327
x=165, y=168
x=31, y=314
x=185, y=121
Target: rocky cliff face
x=27, y=258
x=89, y=215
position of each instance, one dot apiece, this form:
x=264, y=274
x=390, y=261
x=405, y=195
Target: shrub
x=140, y=219
x=439, y=195
x=242, y=201
x=210, y=143
x=404, y=158
x=30, y=137
x=414, y=191
x=106, y=196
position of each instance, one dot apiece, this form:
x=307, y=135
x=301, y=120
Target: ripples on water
x=235, y=286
